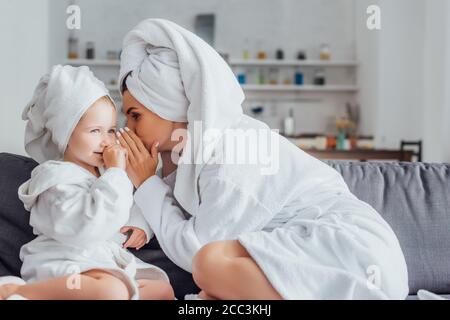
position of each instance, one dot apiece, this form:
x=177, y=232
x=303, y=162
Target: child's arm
x=135, y=223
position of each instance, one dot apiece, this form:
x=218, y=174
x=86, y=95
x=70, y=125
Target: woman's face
x=148, y=126
x=95, y=130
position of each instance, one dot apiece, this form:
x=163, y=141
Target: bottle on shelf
x=279, y=54
x=261, y=77
x=289, y=124
x=90, y=50
x=298, y=77
x=246, y=51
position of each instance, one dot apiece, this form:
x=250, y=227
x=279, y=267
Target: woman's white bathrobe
x=310, y=235
x=77, y=217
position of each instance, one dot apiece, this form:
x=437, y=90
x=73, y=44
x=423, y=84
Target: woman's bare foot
x=8, y=290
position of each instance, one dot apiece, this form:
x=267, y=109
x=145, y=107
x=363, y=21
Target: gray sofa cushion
x=414, y=199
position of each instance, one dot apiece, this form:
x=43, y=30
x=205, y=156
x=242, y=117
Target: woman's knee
x=166, y=292
x=208, y=263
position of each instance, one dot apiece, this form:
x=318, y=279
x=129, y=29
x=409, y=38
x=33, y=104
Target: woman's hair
x=124, y=87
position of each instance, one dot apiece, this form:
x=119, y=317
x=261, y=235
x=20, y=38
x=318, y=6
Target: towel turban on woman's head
x=59, y=101
x=178, y=76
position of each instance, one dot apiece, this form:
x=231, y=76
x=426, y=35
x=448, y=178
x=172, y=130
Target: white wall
x=405, y=74
x=436, y=113
x=24, y=58
x=401, y=72
x=368, y=53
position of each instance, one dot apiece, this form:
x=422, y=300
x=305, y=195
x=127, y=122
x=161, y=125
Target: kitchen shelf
x=305, y=88
x=274, y=87
x=93, y=62
x=252, y=87
x=235, y=62
x=298, y=63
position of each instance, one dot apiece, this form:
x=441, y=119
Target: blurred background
x=309, y=68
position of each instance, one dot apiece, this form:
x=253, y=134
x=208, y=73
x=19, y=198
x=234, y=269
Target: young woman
x=293, y=231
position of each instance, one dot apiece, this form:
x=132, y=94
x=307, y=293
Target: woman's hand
x=141, y=165
x=137, y=239
x=115, y=156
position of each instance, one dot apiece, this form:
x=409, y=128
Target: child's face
x=93, y=133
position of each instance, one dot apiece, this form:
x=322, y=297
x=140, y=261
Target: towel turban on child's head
x=59, y=101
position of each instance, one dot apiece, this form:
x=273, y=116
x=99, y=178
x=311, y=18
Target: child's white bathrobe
x=310, y=235
x=77, y=217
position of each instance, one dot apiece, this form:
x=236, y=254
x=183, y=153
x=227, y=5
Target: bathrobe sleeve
x=225, y=212
x=76, y=215
x=137, y=220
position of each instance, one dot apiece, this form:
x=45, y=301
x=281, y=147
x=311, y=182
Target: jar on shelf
x=72, y=47
x=287, y=76
x=319, y=77
x=301, y=55
x=273, y=76
x=112, y=55
x=241, y=75
x=261, y=54
x=325, y=53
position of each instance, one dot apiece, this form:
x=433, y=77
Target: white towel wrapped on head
x=59, y=101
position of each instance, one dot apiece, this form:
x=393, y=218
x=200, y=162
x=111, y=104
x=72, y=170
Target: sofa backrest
x=15, y=228
x=414, y=198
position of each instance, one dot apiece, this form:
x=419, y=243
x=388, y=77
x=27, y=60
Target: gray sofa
x=413, y=198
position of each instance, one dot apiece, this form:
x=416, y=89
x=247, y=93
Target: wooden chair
x=416, y=146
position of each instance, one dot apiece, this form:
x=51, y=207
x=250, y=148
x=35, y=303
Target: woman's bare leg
x=155, y=290
x=203, y=295
x=94, y=285
x=225, y=270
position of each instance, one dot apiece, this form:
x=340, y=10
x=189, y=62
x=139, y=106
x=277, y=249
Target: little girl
x=77, y=211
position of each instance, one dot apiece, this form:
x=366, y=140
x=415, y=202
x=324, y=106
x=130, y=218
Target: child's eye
x=135, y=116
x=113, y=131
x=95, y=130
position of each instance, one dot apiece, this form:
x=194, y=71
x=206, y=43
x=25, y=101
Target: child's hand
x=115, y=156
x=137, y=239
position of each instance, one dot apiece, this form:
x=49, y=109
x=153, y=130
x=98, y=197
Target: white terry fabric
x=75, y=216
x=178, y=76
x=312, y=238
x=59, y=101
